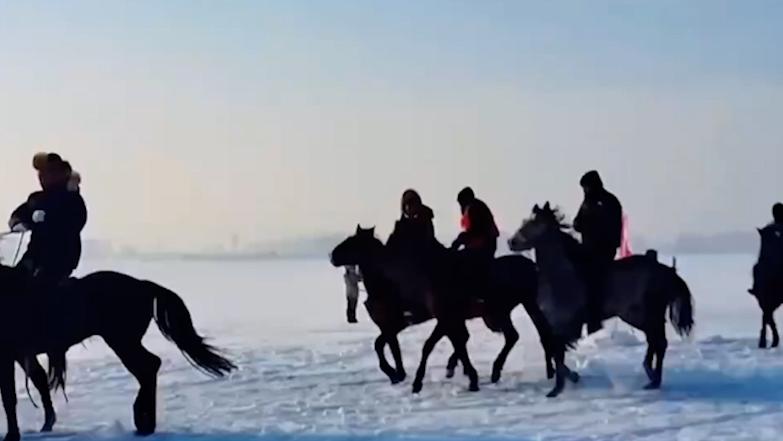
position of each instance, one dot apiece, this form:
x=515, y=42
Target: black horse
x=638, y=289
x=768, y=281
x=111, y=305
x=435, y=295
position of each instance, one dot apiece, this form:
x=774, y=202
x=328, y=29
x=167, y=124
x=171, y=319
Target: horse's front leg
x=8, y=392
x=394, y=345
x=429, y=345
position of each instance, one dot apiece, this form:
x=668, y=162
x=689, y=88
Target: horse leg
x=144, y=365
x=763, y=335
x=458, y=334
x=774, y=327
x=561, y=371
x=648, y=358
x=380, y=344
x=38, y=376
x=8, y=392
x=659, y=338
x=429, y=345
x=394, y=345
x=452, y=365
x=512, y=336
x=544, y=334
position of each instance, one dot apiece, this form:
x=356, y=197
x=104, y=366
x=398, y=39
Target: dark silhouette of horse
x=768, y=281
x=436, y=295
x=638, y=290
x=111, y=305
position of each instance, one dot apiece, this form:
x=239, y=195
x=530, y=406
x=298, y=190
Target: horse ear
x=372, y=231
x=547, y=207
x=536, y=209
x=358, y=228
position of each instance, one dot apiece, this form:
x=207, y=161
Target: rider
x=600, y=223
x=777, y=227
x=479, y=233
x=477, y=242
x=56, y=217
x=415, y=227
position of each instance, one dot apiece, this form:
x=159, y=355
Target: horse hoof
x=417, y=387
x=49, y=422
x=495, y=377
x=449, y=373
x=775, y=344
x=653, y=386
x=395, y=380
x=145, y=424
x=555, y=392
x=650, y=373
x=12, y=437
x=473, y=388
x=574, y=377
x=550, y=374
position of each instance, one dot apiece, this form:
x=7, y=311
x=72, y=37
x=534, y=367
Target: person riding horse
x=775, y=228
x=477, y=243
x=56, y=216
x=600, y=222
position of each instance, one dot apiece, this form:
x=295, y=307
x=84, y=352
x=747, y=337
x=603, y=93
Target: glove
x=18, y=228
x=39, y=216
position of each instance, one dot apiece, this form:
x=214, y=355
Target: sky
x=194, y=121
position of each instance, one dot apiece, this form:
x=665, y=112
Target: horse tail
x=58, y=370
x=681, y=307
x=175, y=323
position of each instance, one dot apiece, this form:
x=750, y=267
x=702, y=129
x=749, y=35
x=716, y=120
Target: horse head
x=541, y=224
x=356, y=249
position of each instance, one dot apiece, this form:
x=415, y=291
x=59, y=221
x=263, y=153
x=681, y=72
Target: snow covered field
x=306, y=374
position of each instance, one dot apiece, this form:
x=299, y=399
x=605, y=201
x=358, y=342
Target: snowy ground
x=305, y=374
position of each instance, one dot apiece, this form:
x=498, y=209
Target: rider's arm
x=22, y=215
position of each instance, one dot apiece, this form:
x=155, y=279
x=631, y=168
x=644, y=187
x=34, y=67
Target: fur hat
x=591, y=179
x=40, y=160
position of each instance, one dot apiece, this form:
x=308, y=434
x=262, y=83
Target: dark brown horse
x=512, y=281
x=111, y=305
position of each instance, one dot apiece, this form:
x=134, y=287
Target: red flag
x=625, y=240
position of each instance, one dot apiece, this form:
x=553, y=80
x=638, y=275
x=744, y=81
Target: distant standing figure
x=352, y=278
x=600, y=221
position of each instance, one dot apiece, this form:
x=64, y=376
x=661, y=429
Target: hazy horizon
x=192, y=122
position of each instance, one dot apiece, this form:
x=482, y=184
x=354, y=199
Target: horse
x=768, y=281
x=111, y=305
x=512, y=282
x=638, y=290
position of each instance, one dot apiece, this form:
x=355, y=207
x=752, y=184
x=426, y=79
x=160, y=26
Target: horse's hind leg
x=763, y=334
x=38, y=376
x=658, y=338
x=380, y=344
x=451, y=366
x=144, y=365
x=429, y=345
x=648, y=358
x=512, y=336
x=774, y=327
x=394, y=345
x=458, y=334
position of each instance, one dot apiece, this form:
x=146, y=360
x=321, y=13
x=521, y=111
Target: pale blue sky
x=193, y=120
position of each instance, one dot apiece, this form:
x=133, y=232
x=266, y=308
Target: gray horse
x=638, y=290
